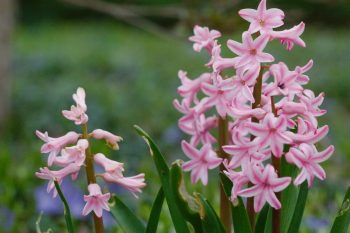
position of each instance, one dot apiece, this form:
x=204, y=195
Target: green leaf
x=188, y=205
x=299, y=209
x=210, y=220
x=67, y=215
x=125, y=217
x=240, y=219
x=164, y=175
x=153, y=219
x=268, y=225
x=342, y=221
x=262, y=219
x=288, y=196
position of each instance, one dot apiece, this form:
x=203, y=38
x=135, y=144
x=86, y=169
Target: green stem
x=67, y=215
x=225, y=212
x=276, y=163
x=256, y=104
x=91, y=179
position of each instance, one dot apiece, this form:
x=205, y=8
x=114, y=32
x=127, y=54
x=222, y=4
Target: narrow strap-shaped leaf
x=289, y=195
x=127, y=220
x=67, y=215
x=188, y=205
x=299, y=209
x=153, y=219
x=342, y=221
x=262, y=219
x=268, y=225
x=164, y=175
x=210, y=220
x=239, y=214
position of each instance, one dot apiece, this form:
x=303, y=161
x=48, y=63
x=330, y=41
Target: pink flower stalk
x=262, y=19
x=111, y=139
x=77, y=113
x=201, y=161
x=96, y=201
x=307, y=158
x=203, y=38
x=259, y=125
x=46, y=174
x=114, y=173
x=53, y=146
x=266, y=184
x=73, y=154
x=250, y=52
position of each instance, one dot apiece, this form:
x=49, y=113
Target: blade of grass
x=153, y=219
x=67, y=214
x=164, y=175
x=125, y=217
x=342, y=221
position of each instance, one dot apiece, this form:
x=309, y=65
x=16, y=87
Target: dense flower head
x=271, y=114
x=70, y=152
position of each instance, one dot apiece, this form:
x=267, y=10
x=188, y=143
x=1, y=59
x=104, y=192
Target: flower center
x=253, y=52
x=262, y=23
x=281, y=85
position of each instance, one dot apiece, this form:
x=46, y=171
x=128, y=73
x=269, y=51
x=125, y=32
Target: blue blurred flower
x=316, y=224
x=53, y=206
x=6, y=219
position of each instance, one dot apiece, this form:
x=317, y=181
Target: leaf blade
x=153, y=219
x=342, y=221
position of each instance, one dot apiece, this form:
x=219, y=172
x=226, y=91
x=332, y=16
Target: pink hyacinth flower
x=301, y=77
x=285, y=81
x=73, y=154
x=96, y=201
x=307, y=158
x=46, y=174
x=219, y=94
x=250, y=52
x=77, y=113
x=201, y=161
x=190, y=88
x=114, y=173
x=200, y=130
x=262, y=20
x=265, y=185
x=271, y=132
x=53, y=146
x=111, y=139
x=291, y=36
x=203, y=38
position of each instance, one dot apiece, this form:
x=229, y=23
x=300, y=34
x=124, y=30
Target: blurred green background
x=128, y=65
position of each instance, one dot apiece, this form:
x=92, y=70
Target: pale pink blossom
x=219, y=93
x=96, y=201
x=201, y=161
x=306, y=132
x=271, y=132
x=219, y=63
x=73, y=154
x=114, y=173
x=307, y=158
x=265, y=184
x=111, y=139
x=47, y=174
x=53, y=146
x=200, y=130
x=262, y=20
x=77, y=113
x=301, y=77
x=285, y=81
x=203, y=38
x=241, y=111
x=190, y=88
x=250, y=52
x=312, y=104
x=291, y=36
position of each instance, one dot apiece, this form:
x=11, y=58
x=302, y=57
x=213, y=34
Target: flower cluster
x=70, y=152
x=271, y=115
